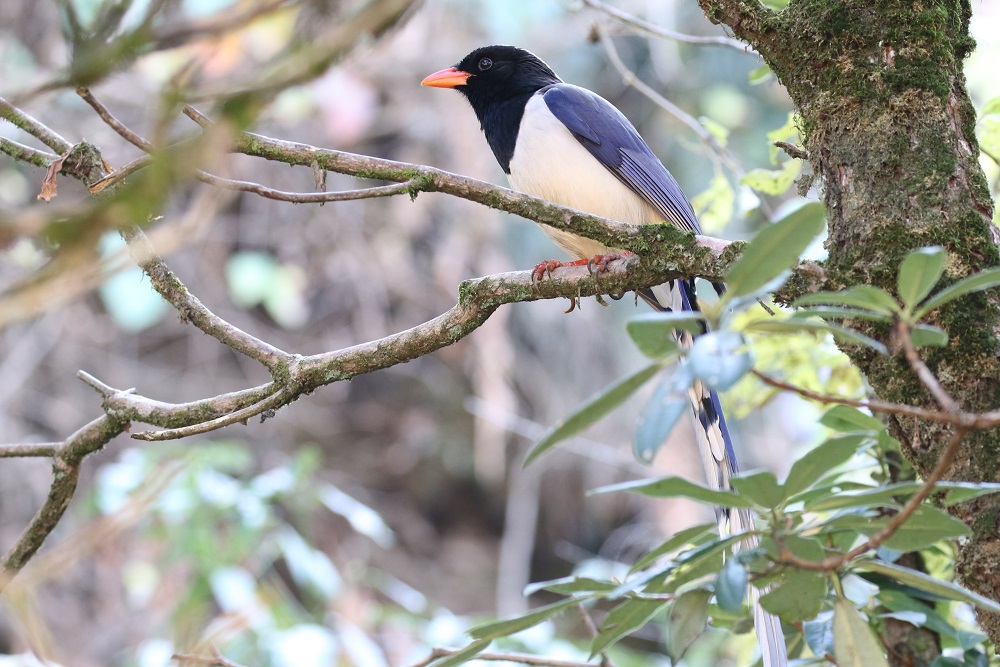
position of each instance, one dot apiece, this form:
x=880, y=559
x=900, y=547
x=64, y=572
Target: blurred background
x=376, y=518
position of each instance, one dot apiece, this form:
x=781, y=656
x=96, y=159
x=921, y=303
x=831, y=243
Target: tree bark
x=890, y=131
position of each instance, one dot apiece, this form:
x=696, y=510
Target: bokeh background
x=379, y=517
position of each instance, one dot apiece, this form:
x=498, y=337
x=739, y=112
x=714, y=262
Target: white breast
x=550, y=163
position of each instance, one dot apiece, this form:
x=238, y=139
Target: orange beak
x=446, y=78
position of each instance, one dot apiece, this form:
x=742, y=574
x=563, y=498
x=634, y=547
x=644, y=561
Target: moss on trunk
x=889, y=127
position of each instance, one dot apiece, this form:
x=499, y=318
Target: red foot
x=598, y=262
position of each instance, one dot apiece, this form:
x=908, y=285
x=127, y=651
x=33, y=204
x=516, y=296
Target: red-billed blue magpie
x=569, y=145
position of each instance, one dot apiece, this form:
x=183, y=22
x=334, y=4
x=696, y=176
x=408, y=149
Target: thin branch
x=27, y=154
x=65, y=472
x=925, y=375
x=120, y=174
x=215, y=660
x=194, y=311
x=658, y=31
x=874, y=406
x=522, y=658
x=313, y=57
x=36, y=129
x=41, y=449
x=276, y=400
x=309, y=197
x=112, y=122
x=792, y=150
x=630, y=79
x=594, y=633
x=748, y=19
x=912, y=505
x=232, y=18
x=700, y=256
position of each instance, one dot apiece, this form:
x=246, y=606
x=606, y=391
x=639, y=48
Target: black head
x=494, y=74
x=497, y=81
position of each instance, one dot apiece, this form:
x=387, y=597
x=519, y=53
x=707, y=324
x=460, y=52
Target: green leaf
x=898, y=601
x=787, y=131
x=686, y=621
x=854, y=643
x=919, y=273
x=653, y=333
x=977, y=282
x=928, y=526
x=927, y=583
x=661, y=414
x=797, y=596
x=463, y=656
x=593, y=410
x=957, y=492
x=694, y=534
x=847, y=419
x=773, y=181
x=714, y=206
x=840, y=312
x=992, y=106
x=889, y=494
x=716, y=129
x=819, y=633
x=759, y=486
x=824, y=490
x=776, y=248
x=570, y=585
x=731, y=585
x=866, y=297
x=925, y=335
x=819, y=461
x=508, y=626
x=760, y=75
x=623, y=619
x=678, y=487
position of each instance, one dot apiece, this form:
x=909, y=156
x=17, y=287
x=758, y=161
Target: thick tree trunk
x=889, y=128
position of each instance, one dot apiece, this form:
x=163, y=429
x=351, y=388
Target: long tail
x=716, y=447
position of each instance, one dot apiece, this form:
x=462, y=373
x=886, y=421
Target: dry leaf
x=49, y=182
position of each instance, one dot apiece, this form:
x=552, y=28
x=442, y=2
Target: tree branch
x=36, y=129
x=522, y=658
x=746, y=18
x=65, y=472
x=659, y=31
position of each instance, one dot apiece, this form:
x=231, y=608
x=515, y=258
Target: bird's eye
x=485, y=64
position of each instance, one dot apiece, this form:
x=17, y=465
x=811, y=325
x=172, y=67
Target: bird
x=566, y=144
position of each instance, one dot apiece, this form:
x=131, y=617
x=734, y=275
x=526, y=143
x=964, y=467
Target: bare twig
x=112, y=122
x=928, y=379
x=522, y=658
x=36, y=129
x=874, y=406
x=792, y=150
x=23, y=153
x=65, y=472
x=276, y=400
x=630, y=79
x=214, y=660
x=309, y=197
x=652, y=240
x=194, y=311
x=594, y=633
x=42, y=449
x=947, y=457
x=658, y=31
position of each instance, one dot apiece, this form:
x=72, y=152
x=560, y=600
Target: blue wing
x=614, y=141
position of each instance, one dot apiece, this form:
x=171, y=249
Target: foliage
x=231, y=552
